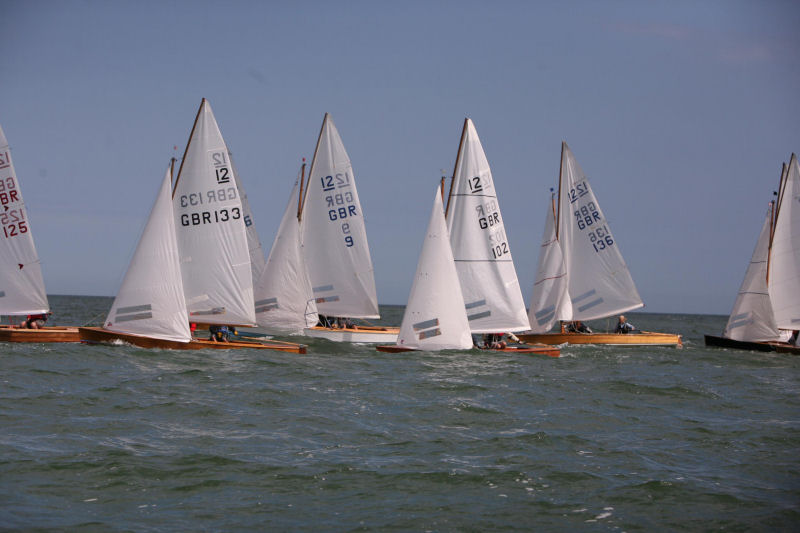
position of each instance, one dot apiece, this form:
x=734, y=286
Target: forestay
x=485, y=267
x=150, y=301
x=334, y=235
x=21, y=285
x=212, y=241
x=752, y=319
x=285, y=301
x=600, y=284
x=550, y=299
x=435, y=318
x=784, y=266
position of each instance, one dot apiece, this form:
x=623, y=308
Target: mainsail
x=333, y=233
x=600, y=284
x=550, y=299
x=150, y=301
x=752, y=319
x=21, y=285
x=784, y=260
x=485, y=268
x=435, y=318
x=285, y=301
x=212, y=240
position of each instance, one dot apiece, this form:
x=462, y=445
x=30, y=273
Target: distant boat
x=22, y=289
x=767, y=308
x=334, y=241
x=435, y=317
x=582, y=274
x=192, y=262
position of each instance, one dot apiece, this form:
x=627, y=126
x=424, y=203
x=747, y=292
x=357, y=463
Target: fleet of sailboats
x=582, y=274
x=22, y=291
x=766, y=313
x=200, y=261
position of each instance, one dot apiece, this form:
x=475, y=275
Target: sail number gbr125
x=12, y=220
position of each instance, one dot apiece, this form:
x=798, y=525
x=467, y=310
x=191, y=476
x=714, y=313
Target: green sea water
x=344, y=438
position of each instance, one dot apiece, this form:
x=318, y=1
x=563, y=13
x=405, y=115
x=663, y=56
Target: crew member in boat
x=623, y=326
x=578, y=327
x=498, y=341
x=221, y=333
x=34, y=321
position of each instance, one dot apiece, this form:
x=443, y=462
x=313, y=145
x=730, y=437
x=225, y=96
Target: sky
x=679, y=112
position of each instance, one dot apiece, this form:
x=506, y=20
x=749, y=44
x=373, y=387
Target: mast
x=455, y=167
x=191, y=135
x=441, y=186
x=776, y=207
x=300, y=192
x=314, y=159
x=560, y=171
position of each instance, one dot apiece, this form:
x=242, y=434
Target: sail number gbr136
x=589, y=220
x=341, y=205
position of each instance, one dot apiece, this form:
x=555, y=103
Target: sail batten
x=22, y=290
x=481, y=251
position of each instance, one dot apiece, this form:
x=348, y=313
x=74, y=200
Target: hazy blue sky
x=680, y=113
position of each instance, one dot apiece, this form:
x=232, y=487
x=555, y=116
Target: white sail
x=212, y=240
x=751, y=319
x=600, y=284
x=435, y=318
x=285, y=301
x=489, y=282
x=784, y=263
x=150, y=301
x=334, y=235
x=21, y=285
x=550, y=300
x=257, y=261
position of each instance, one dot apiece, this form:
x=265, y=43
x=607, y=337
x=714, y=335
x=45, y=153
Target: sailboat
x=192, y=263
x=767, y=308
x=435, y=317
x=582, y=274
x=22, y=289
x=284, y=298
x=334, y=240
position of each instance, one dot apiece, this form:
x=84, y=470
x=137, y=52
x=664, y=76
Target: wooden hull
x=99, y=335
x=643, y=338
x=723, y=342
x=46, y=334
x=539, y=349
x=366, y=334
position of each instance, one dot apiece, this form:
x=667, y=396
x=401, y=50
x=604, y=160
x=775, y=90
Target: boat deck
x=641, y=338
x=46, y=334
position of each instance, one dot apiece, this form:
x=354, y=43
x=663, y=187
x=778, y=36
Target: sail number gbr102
x=341, y=205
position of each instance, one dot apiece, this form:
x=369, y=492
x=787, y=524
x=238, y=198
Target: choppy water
x=96, y=438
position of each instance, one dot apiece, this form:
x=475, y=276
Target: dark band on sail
x=742, y=319
x=590, y=304
x=2, y=294
x=268, y=304
x=473, y=305
x=133, y=312
x=427, y=328
x=324, y=299
x=214, y=311
x=545, y=315
x=476, y=316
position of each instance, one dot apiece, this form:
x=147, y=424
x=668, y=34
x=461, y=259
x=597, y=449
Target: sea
x=345, y=438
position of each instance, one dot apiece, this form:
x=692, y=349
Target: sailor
x=624, y=326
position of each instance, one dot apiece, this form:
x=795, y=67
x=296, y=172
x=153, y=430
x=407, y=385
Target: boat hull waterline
x=101, y=336
x=755, y=346
x=643, y=338
x=535, y=350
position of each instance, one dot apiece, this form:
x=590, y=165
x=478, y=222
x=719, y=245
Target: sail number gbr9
x=12, y=220
x=341, y=205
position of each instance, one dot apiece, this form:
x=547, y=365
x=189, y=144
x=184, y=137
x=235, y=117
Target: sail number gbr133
x=224, y=192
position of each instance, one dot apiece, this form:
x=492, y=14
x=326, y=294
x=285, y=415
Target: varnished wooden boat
x=538, y=349
x=46, y=334
x=724, y=342
x=102, y=336
x=367, y=334
x=641, y=338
